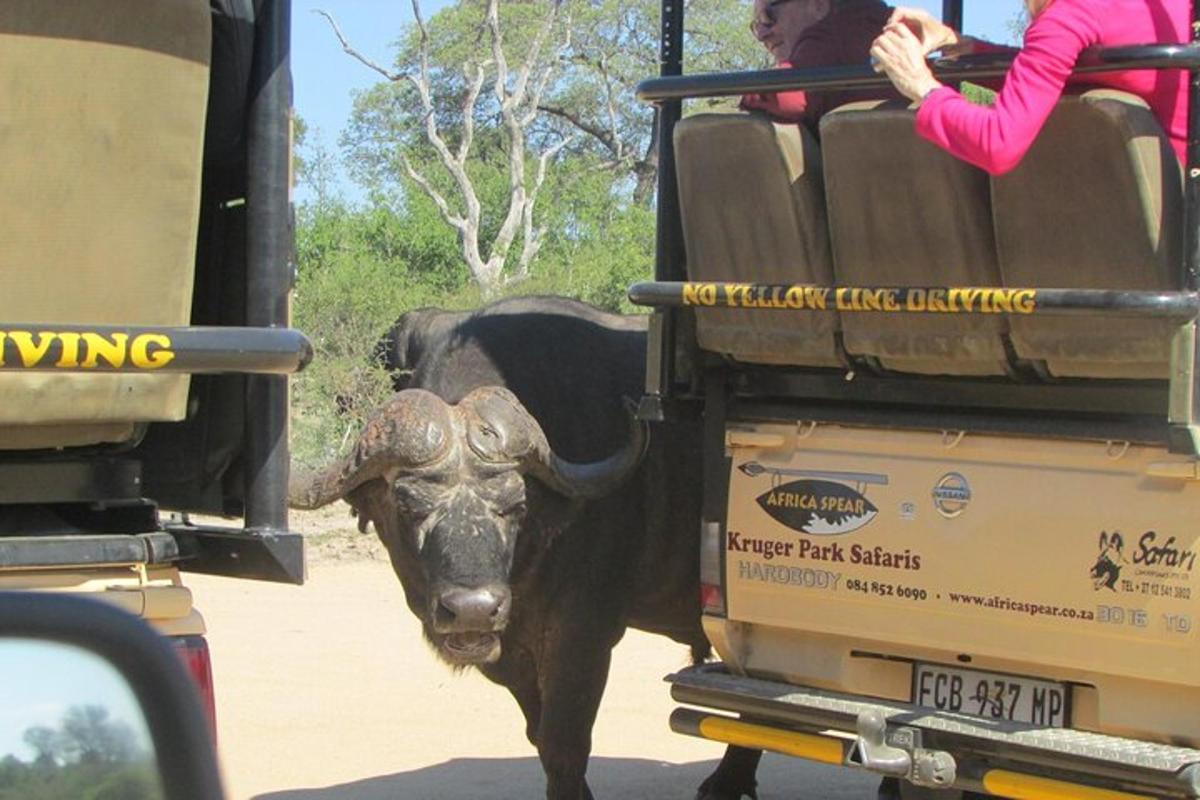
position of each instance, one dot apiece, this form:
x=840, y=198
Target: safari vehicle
x=146, y=266
x=952, y=440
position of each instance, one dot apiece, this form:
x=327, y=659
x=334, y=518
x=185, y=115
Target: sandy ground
x=328, y=691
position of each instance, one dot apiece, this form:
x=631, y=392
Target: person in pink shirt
x=997, y=137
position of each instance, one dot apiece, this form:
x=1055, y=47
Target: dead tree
x=518, y=94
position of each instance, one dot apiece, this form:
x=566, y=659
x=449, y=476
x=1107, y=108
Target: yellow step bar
x=832, y=748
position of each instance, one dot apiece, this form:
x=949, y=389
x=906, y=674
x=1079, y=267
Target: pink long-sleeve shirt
x=997, y=137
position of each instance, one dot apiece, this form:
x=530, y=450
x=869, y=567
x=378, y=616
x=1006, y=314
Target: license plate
x=990, y=695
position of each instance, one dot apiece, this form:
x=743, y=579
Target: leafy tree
x=614, y=47
x=448, y=142
x=46, y=744
x=89, y=756
x=89, y=736
x=440, y=124
x=131, y=783
x=1016, y=25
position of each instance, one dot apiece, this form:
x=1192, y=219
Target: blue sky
x=40, y=680
x=326, y=78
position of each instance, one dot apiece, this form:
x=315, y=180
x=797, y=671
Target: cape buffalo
x=529, y=519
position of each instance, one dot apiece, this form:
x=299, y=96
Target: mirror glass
x=70, y=727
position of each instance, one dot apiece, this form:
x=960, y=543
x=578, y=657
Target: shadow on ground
x=616, y=778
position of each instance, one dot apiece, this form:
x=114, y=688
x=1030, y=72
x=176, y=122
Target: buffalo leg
x=573, y=677
x=734, y=776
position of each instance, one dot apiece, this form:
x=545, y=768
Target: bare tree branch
x=519, y=97
x=605, y=138
x=547, y=73
x=610, y=96
x=510, y=104
x=532, y=239
x=449, y=216
x=394, y=77
x=468, y=110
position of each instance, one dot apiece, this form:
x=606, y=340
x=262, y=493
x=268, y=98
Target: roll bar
x=670, y=290
x=967, y=68
x=195, y=350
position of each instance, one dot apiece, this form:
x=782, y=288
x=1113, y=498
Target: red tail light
x=712, y=599
x=712, y=592
x=194, y=652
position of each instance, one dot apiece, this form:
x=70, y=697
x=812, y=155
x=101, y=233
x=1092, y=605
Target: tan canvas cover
x=101, y=134
x=1096, y=204
x=753, y=208
x=904, y=213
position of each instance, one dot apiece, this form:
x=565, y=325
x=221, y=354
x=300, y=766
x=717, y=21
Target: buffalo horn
x=529, y=446
x=412, y=430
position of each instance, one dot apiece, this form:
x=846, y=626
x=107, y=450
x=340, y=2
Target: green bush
x=352, y=285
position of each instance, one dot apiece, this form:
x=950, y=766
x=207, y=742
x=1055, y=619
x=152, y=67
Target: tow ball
x=898, y=754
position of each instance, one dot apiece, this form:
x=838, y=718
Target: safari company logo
x=1153, y=565
x=820, y=503
x=1107, y=569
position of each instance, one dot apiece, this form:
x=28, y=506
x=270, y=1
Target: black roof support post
x=1185, y=389
x=1191, y=253
x=952, y=13
x=668, y=245
x=270, y=266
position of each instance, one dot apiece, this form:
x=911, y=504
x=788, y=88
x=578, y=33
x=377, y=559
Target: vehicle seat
x=1097, y=203
x=753, y=209
x=902, y=212
x=101, y=144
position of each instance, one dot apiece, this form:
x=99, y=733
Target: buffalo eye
x=418, y=498
x=513, y=510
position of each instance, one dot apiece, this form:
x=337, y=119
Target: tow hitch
x=898, y=753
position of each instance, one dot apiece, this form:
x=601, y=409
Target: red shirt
x=843, y=37
x=997, y=137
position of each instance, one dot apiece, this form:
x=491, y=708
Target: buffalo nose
x=472, y=610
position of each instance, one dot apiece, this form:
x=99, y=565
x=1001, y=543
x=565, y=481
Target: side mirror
x=95, y=703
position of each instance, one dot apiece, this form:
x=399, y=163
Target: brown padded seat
x=101, y=142
x=753, y=209
x=902, y=212
x=1095, y=204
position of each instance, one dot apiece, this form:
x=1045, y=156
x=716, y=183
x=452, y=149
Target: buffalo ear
x=364, y=499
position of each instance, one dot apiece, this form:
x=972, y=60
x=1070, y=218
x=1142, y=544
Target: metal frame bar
x=270, y=268
x=129, y=348
x=968, y=68
x=1185, y=415
x=952, y=13
x=668, y=245
x=973, y=300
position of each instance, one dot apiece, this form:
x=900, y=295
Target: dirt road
x=328, y=691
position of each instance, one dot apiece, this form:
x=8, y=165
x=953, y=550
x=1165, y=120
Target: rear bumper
x=926, y=747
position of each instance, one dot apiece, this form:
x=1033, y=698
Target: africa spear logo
x=821, y=503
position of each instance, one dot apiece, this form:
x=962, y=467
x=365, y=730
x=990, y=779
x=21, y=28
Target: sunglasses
x=771, y=13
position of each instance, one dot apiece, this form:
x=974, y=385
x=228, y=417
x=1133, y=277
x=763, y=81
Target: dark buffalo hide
x=529, y=519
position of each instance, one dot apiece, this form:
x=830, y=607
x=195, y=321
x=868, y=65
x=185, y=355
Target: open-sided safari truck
x=952, y=446
x=145, y=258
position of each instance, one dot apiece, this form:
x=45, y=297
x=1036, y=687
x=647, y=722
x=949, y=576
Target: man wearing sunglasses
x=815, y=33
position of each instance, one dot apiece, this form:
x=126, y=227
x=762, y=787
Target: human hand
x=754, y=102
x=932, y=33
x=965, y=46
x=897, y=52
